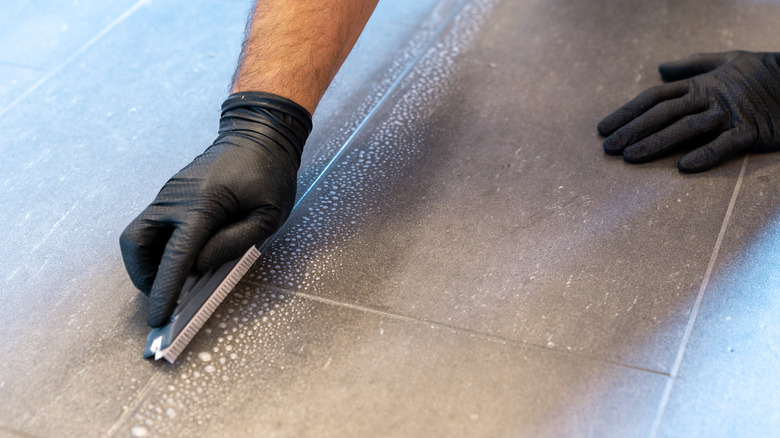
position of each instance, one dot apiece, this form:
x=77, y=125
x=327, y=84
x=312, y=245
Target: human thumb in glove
x=236, y=194
x=731, y=99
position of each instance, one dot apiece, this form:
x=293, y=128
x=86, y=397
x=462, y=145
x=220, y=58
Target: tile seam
x=51, y=73
x=460, y=330
x=22, y=67
x=697, y=303
x=15, y=432
x=390, y=90
x=139, y=398
x=423, y=50
x=75, y=54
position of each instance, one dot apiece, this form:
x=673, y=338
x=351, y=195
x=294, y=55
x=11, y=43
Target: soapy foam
x=247, y=335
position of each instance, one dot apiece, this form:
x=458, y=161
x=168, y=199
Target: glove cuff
x=269, y=115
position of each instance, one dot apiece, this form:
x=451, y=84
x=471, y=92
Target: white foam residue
x=247, y=339
x=139, y=432
x=204, y=356
x=309, y=253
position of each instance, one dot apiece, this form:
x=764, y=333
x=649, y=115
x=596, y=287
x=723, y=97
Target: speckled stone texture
x=463, y=260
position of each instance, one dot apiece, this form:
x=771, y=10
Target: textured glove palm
x=731, y=99
x=237, y=193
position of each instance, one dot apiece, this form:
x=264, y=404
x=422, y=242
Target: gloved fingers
x=640, y=104
x=231, y=242
x=663, y=141
x=176, y=264
x=692, y=66
x=656, y=119
x=717, y=151
x=142, y=244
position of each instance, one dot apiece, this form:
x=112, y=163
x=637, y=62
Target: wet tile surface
x=292, y=366
x=77, y=160
x=467, y=204
x=43, y=34
x=14, y=81
x=471, y=265
x=391, y=41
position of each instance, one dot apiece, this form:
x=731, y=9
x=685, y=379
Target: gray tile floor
x=463, y=260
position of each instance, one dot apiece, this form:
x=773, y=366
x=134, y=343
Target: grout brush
x=199, y=298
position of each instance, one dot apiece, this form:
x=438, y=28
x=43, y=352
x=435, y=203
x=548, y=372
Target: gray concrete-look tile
x=727, y=384
x=271, y=364
x=422, y=14
x=14, y=81
x=10, y=433
x=479, y=197
x=83, y=154
x=392, y=39
x=43, y=34
x=464, y=222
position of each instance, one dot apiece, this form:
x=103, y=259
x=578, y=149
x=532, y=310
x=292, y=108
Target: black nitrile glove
x=236, y=194
x=731, y=99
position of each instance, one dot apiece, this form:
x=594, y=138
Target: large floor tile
x=472, y=265
x=479, y=196
x=287, y=366
x=78, y=152
x=43, y=34
x=14, y=81
x=727, y=384
x=395, y=36
x=83, y=153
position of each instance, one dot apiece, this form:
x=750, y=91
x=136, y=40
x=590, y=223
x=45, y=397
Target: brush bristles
x=225, y=287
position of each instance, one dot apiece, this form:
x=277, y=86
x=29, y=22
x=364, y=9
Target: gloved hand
x=236, y=194
x=731, y=99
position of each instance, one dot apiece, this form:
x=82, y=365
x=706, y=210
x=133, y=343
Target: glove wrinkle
x=735, y=93
x=235, y=194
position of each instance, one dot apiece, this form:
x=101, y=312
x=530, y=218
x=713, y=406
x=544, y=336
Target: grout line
x=22, y=66
x=401, y=76
x=135, y=403
x=455, y=329
x=697, y=304
x=158, y=374
x=16, y=433
x=76, y=54
x=153, y=380
x=386, y=95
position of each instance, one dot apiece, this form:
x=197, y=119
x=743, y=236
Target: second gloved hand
x=731, y=98
x=236, y=194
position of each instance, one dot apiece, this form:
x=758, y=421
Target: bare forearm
x=294, y=48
